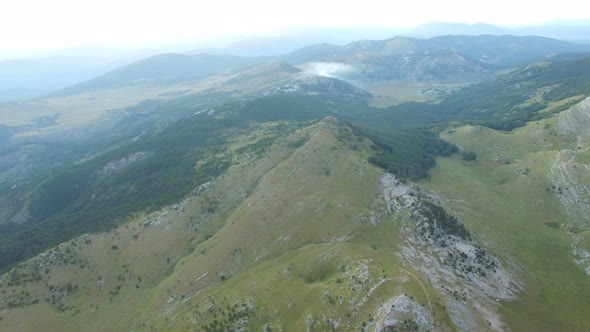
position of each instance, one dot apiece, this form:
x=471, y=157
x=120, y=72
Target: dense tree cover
x=178, y=155
x=504, y=103
x=469, y=155
x=408, y=153
x=298, y=107
x=81, y=199
x=439, y=218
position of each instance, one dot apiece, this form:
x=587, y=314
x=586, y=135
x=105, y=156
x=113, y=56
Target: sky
x=34, y=25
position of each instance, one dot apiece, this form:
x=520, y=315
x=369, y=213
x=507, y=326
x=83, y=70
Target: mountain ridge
x=207, y=194
x=500, y=51
x=162, y=68
x=272, y=239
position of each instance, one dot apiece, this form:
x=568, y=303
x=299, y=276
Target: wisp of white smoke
x=331, y=69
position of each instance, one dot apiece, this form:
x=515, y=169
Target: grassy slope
x=389, y=93
x=101, y=108
x=294, y=222
x=492, y=195
x=290, y=233
x=285, y=235
x=147, y=248
x=500, y=202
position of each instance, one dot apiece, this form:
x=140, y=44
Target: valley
x=482, y=194
x=398, y=185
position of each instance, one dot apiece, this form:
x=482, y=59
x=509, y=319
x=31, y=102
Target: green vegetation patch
x=91, y=197
x=408, y=153
x=504, y=103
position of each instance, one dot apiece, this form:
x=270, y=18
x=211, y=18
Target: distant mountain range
x=438, y=59
x=565, y=30
x=29, y=78
x=373, y=186
x=437, y=28
x=577, y=31
x=35, y=77
x=292, y=40
x=164, y=69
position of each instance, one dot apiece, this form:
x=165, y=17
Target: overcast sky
x=53, y=24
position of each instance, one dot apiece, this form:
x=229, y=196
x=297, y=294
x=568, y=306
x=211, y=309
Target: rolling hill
x=311, y=235
x=162, y=69
x=217, y=193
x=438, y=28
x=511, y=100
x=22, y=79
x=443, y=58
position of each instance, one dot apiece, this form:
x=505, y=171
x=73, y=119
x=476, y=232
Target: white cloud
x=331, y=69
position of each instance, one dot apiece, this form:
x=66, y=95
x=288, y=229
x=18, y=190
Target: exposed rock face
x=117, y=165
x=576, y=120
x=570, y=176
x=401, y=314
x=314, y=85
x=581, y=256
x=442, y=249
x=570, y=179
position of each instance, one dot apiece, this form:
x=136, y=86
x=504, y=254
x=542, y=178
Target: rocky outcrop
x=317, y=85
x=439, y=246
x=575, y=120
x=569, y=175
x=115, y=166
